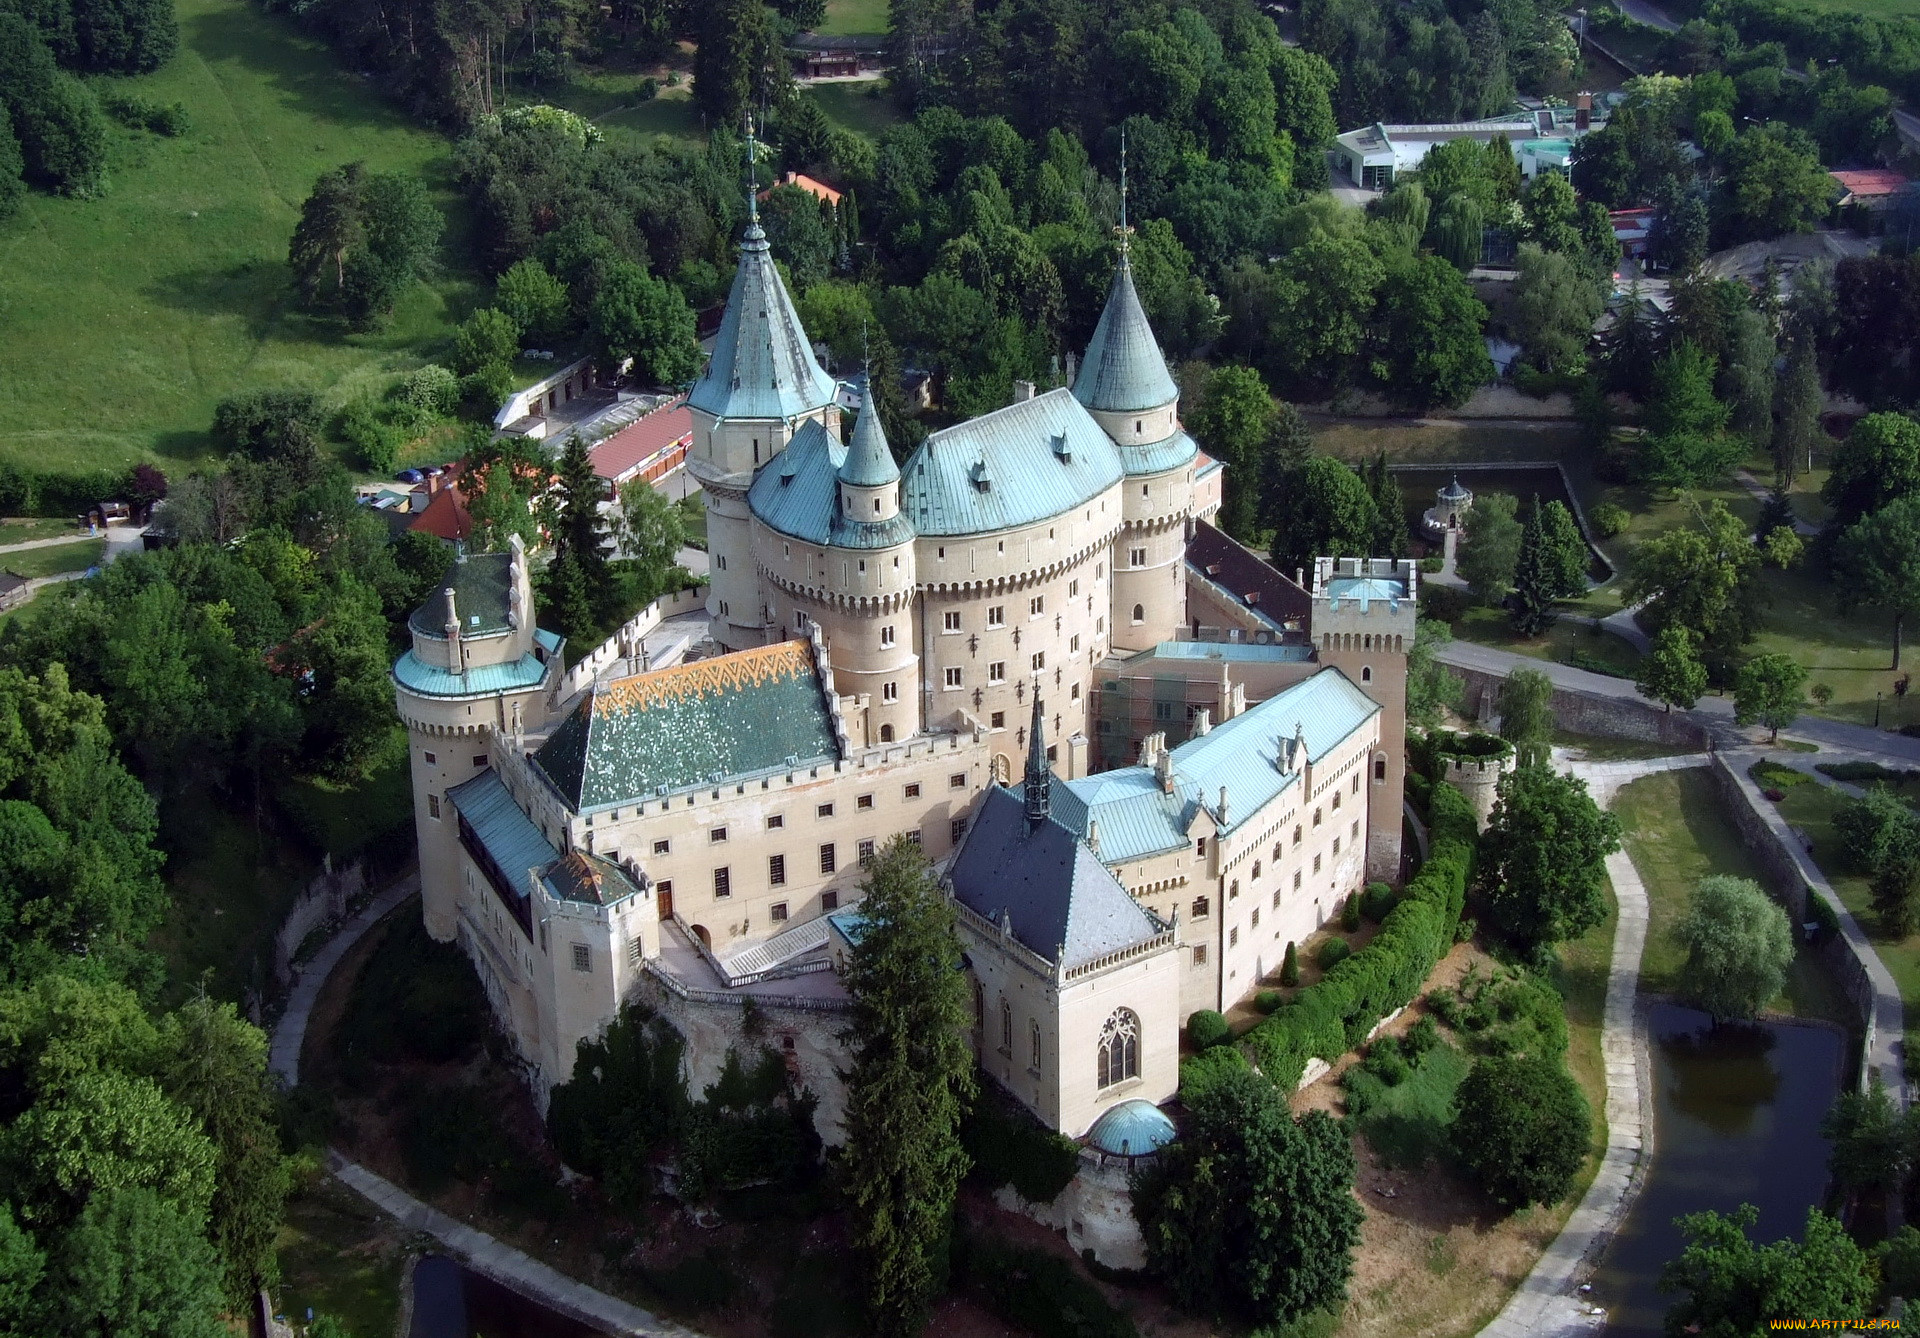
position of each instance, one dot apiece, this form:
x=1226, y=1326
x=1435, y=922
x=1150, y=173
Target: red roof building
x=445, y=514
x=820, y=190
x=649, y=448
x=1873, y=187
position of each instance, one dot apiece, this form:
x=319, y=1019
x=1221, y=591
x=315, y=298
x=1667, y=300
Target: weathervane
x=1124, y=232
x=753, y=173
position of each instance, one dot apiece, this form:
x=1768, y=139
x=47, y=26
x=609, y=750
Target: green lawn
x=1566, y=641
x=123, y=320
x=672, y=115
x=36, y=562
x=25, y=529
x=855, y=18
x=863, y=108
x=341, y=1257
x=1677, y=833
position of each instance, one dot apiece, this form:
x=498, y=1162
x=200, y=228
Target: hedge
x=35, y=492
x=1327, y=1019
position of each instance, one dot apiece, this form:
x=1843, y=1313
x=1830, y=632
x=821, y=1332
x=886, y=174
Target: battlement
x=1364, y=603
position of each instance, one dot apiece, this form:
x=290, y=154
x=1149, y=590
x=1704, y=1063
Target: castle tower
x=872, y=626
x=1365, y=611
x=1124, y=384
x=759, y=387
x=477, y=664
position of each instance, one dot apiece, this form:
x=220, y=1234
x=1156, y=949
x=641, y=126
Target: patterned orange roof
x=725, y=673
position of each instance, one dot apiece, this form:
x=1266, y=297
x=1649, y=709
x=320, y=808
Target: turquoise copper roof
x=762, y=365
x=1014, y=466
x=1230, y=652
x=1123, y=371
x=429, y=680
x=481, y=585
x=1248, y=755
x=1156, y=457
x=1133, y=1128
x=508, y=834
x=1365, y=589
x=798, y=495
x=869, y=462
x=695, y=724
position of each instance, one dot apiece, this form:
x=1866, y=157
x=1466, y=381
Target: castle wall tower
x=477, y=664
x=1365, y=611
x=1124, y=384
x=761, y=385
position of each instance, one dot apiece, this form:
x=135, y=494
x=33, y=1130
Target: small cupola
x=869, y=478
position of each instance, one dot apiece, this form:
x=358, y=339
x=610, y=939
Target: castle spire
x=1124, y=370
x=753, y=178
x=1039, y=786
x=1124, y=232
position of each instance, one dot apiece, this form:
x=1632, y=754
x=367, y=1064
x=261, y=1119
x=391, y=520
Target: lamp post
x=1876, y=710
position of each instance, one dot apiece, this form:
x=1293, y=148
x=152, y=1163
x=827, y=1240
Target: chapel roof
x=633, y=738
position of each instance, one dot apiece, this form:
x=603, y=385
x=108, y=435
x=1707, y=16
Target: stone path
x=26, y=545
x=1547, y=1304
x=504, y=1264
x=290, y=1033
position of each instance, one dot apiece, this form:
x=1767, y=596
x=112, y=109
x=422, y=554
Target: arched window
x=1033, y=1046
x=979, y=1006
x=1119, y=1057
x=1366, y=673
x=886, y=733
x=1139, y=613
x=1006, y=1026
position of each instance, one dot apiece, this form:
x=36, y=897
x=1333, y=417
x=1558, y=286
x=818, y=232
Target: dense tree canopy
x=1730, y=1287
x=1739, y=946
x=1541, y=864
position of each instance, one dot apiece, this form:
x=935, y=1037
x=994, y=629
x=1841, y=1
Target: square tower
x=1365, y=612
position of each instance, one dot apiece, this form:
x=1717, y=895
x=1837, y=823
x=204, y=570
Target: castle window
x=1073, y=587
x=1039, y=660
x=1233, y=937
x=912, y=791
x=1119, y=1052
x=998, y=720
x=979, y=1006
x=865, y=850
x=1366, y=673
x=1256, y=917
x=950, y=622
x=1336, y=847
x=997, y=616
x=431, y=759
x=1296, y=836
x=1201, y=909
x=823, y=811
x=1199, y=954
x=1316, y=864
x=777, y=870
x=1296, y=880
x=433, y=805
x=1073, y=645
x=1075, y=692
x=635, y=951
x=723, y=882
x=1136, y=557
x=886, y=635
x=829, y=900
x=582, y=957
x=1033, y=1046
x=786, y=550
x=1356, y=782
x=864, y=801
x=957, y=781
x=876, y=506
x=1354, y=830
x=1255, y=877
x=1099, y=568
x=828, y=860
x=480, y=759
x=1138, y=425
x=776, y=822
x=716, y=836
x=997, y=671
x=886, y=733
x=953, y=677
x=1379, y=769
x=1006, y=1027
x=889, y=692
x=863, y=566
x=1143, y=490
x=1316, y=817
x=1233, y=890
x=1139, y=614
x=1336, y=799
x=1276, y=898
x=1200, y=847
x=662, y=846
x=1036, y=606
x=777, y=912
x=943, y=552
x=956, y=829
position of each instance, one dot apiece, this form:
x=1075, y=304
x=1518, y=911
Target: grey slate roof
x=762, y=365
x=1124, y=371
x=1062, y=902
x=1247, y=755
x=869, y=462
x=680, y=728
x=480, y=591
x=1011, y=467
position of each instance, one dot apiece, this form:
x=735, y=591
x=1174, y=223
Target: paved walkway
x=1547, y=1304
x=290, y=1033
x=1761, y=493
x=504, y=1264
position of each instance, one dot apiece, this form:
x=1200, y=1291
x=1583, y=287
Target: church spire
x=1039, y=786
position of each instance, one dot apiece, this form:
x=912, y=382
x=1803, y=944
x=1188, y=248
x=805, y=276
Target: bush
x=376, y=443
x=1290, y=966
x=1900, y=1263
x=486, y=390
x=431, y=390
x=1207, y=1029
x=1009, y=1147
x=1333, y=952
x=1205, y=1071
x=1875, y=830
x=1775, y=776
x=1465, y=930
x=1444, y=603
x=1421, y=1037
x=1611, y=520
x=1389, y=971
x=1350, y=913
x=1521, y=1129
x=1267, y=1001
x=1864, y=773
x=1037, y=1292
x=138, y=113
x=1430, y=566
x=1376, y=902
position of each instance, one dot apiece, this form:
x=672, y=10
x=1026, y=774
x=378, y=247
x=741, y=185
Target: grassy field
x=671, y=116
x=25, y=529
x=123, y=320
x=341, y=1257
x=855, y=18
x=1676, y=833
x=36, y=562
x=863, y=108
x=1566, y=641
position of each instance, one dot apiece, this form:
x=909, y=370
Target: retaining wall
x=326, y=898
x=1589, y=713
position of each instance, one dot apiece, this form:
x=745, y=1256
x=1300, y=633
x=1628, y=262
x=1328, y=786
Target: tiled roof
x=508, y=834
x=641, y=439
x=1062, y=902
x=1124, y=370
x=429, y=680
x=677, y=729
x=1011, y=467
x=480, y=591
x=1248, y=755
x=586, y=878
x=1246, y=576
x=820, y=190
x=445, y=515
x=762, y=365
x=1871, y=181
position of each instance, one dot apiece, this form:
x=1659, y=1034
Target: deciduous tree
x=1877, y=562
x=1671, y=672
x=1490, y=546
x=1738, y=944
x=1730, y=1286
x=1542, y=860
x=1770, y=690
x=1521, y=1128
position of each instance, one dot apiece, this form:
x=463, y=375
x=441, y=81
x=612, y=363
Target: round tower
x=872, y=622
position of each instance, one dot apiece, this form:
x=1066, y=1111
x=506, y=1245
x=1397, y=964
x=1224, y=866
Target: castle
x=1142, y=760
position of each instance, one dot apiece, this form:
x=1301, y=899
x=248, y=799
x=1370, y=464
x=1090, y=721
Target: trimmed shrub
x=1207, y=1029
x=1610, y=520
x=1267, y=1001
x=1333, y=952
x=1350, y=913
x=1774, y=776
x=1389, y=971
x=1208, y=1069
x=1521, y=1129
x=1290, y=967
x=1864, y=773
x=1376, y=902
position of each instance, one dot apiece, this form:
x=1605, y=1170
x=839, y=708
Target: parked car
x=411, y=476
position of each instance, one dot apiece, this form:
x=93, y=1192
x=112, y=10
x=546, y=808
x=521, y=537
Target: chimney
x=1202, y=722
x=1093, y=835
x=456, y=656
x=1163, y=769
x=1220, y=814
x=1022, y=391
x=1151, y=747
x=1073, y=364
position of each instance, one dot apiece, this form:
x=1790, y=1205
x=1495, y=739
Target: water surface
x=452, y=1301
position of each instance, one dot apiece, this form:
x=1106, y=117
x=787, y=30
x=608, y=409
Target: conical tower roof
x=869, y=462
x=762, y=364
x=1124, y=371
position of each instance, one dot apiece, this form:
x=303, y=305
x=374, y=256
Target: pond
x=1419, y=484
x=452, y=1301
x=1736, y=1119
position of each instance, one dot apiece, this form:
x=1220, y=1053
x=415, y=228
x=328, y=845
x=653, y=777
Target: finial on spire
x=866, y=354
x=1124, y=232
x=753, y=173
